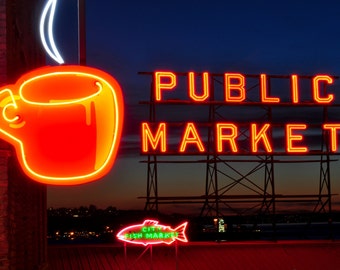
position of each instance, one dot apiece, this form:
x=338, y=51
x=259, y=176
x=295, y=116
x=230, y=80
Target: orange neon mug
x=65, y=123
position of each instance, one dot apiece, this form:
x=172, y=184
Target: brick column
x=4, y=244
x=4, y=154
x=3, y=43
x=23, y=221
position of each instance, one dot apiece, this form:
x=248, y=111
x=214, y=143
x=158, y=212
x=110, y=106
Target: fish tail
x=181, y=232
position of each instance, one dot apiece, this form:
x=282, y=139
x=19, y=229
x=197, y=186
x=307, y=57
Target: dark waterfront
x=92, y=225
x=85, y=238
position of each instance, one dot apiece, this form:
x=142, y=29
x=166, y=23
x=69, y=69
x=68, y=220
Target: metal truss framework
x=243, y=184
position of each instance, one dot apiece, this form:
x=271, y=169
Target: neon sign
x=65, y=123
x=50, y=47
x=226, y=134
x=235, y=87
x=152, y=233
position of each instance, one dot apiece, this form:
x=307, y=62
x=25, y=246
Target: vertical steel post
x=211, y=180
x=152, y=178
x=269, y=173
x=81, y=33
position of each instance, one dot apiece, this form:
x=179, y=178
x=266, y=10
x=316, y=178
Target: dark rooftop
x=299, y=255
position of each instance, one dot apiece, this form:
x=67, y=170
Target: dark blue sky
x=125, y=37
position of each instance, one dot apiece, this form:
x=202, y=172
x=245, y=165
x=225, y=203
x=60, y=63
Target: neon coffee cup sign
x=65, y=122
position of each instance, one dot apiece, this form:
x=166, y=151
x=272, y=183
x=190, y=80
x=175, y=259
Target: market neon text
x=155, y=138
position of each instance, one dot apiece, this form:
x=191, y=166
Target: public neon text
x=235, y=86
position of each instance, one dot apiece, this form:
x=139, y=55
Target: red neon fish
x=150, y=233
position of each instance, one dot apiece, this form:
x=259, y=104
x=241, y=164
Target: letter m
x=157, y=141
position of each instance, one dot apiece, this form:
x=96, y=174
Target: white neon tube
x=53, y=51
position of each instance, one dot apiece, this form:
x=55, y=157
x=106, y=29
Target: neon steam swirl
x=50, y=47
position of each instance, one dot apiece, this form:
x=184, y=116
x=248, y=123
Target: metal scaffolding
x=242, y=183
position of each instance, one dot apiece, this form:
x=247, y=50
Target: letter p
x=163, y=80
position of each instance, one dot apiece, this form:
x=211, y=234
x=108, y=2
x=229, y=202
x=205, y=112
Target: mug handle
x=10, y=103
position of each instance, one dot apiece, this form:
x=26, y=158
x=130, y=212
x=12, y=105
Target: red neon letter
x=261, y=135
x=228, y=87
x=316, y=91
x=192, y=88
x=291, y=138
x=295, y=89
x=224, y=137
x=161, y=85
x=264, y=97
x=333, y=135
x=148, y=138
x=191, y=136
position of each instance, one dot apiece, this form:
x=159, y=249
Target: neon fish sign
x=152, y=233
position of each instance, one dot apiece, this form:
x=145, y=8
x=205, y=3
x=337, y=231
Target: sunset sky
x=249, y=37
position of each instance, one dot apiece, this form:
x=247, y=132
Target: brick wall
x=3, y=43
x=24, y=50
x=22, y=201
x=4, y=245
